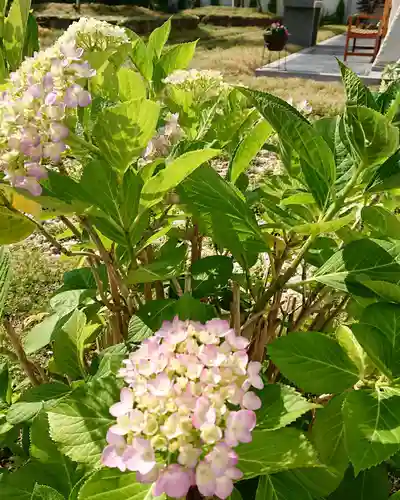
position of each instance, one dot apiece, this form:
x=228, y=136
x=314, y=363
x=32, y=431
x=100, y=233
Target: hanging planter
x=276, y=37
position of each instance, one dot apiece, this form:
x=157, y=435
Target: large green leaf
x=268, y=452
x=248, y=148
x=158, y=38
x=168, y=265
x=188, y=307
x=316, y=228
x=32, y=37
x=352, y=347
x=281, y=405
x=69, y=344
x=371, y=484
x=5, y=276
x=328, y=435
x=177, y=57
x=360, y=260
x=13, y=226
x=387, y=175
x=110, y=360
x=315, y=362
x=371, y=135
x=372, y=426
x=79, y=423
x=15, y=30
x=281, y=486
x=210, y=275
x=357, y=93
x=138, y=330
x=130, y=85
x=381, y=220
x=42, y=492
x=43, y=449
x=156, y=311
x=5, y=383
x=177, y=170
x=35, y=399
x=318, y=163
x=42, y=333
x=222, y=208
x=123, y=131
x=379, y=334
x=109, y=484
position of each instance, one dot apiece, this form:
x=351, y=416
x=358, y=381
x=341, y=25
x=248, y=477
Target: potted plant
x=276, y=36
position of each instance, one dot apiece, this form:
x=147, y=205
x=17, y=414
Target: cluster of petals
x=201, y=84
x=40, y=97
x=186, y=406
x=166, y=137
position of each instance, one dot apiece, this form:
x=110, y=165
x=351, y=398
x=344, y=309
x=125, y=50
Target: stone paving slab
x=319, y=63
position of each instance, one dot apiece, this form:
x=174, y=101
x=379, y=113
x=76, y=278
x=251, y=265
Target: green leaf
x=268, y=452
x=281, y=405
x=156, y=311
x=66, y=302
x=235, y=495
x=41, y=492
x=353, y=349
x=359, y=260
x=110, y=361
x=281, y=486
x=318, y=163
x=123, y=131
x=379, y=334
x=130, y=85
x=177, y=170
x=372, y=426
x=158, y=38
x=178, y=57
x=42, y=333
x=13, y=226
x=371, y=484
x=169, y=265
x=5, y=276
x=138, y=330
x=32, y=37
x=387, y=176
x=69, y=343
x=316, y=228
x=108, y=484
x=225, y=213
x=79, y=423
x=381, y=220
x=188, y=307
x=315, y=362
x=81, y=278
x=328, y=435
x=385, y=290
x=356, y=92
x=372, y=136
x=210, y=275
x=142, y=57
x=33, y=400
x=14, y=31
x=5, y=383
x=248, y=148
x=43, y=449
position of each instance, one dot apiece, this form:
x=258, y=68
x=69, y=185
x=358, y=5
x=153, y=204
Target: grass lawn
x=237, y=52
x=217, y=10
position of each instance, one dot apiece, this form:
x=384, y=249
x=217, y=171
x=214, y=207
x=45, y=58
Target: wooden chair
x=356, y=31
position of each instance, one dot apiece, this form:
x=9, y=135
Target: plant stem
x=235, y=307
x=26, y=365
x=291, y=270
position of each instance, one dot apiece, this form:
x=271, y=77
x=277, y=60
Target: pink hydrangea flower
x=188, y=402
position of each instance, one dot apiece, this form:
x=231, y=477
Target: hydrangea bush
x=220, y=336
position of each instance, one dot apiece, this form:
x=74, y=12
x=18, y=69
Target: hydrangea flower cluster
x=92, y=34
x=41, y=94
x=202, y=84
x=166, y=137
x=187, y=405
